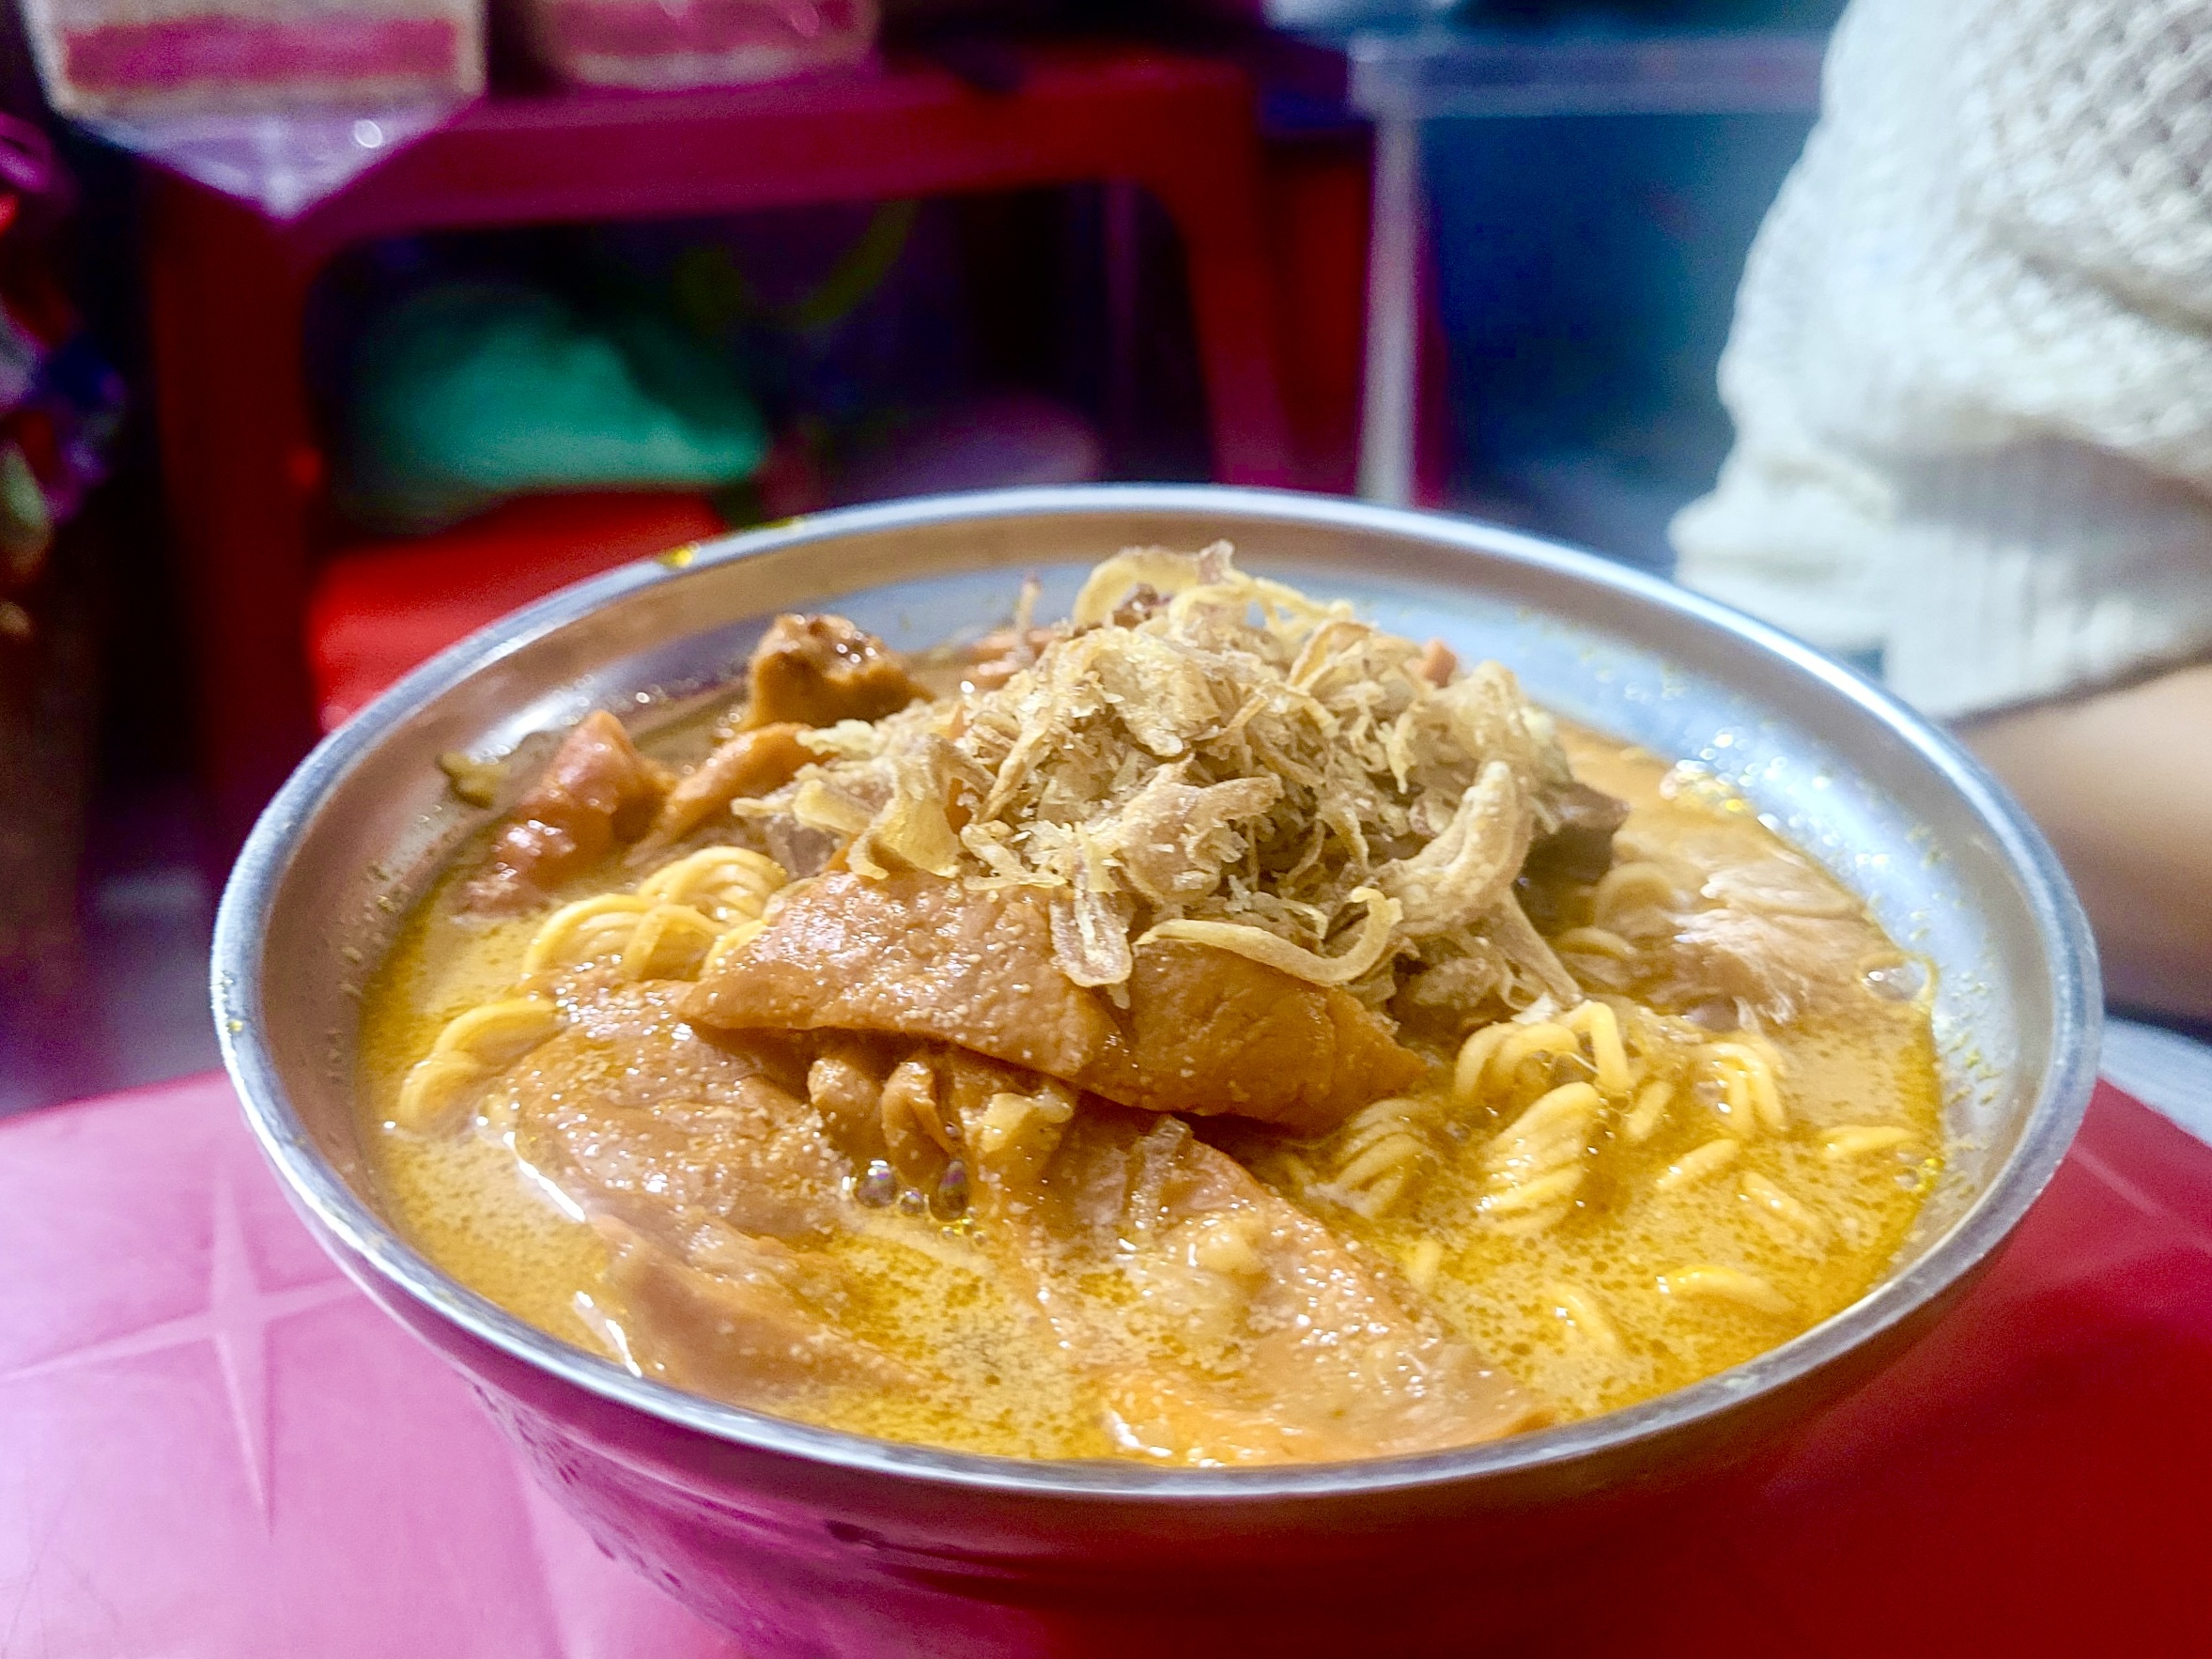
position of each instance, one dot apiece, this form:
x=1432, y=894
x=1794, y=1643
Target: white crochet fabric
x=1972, y=363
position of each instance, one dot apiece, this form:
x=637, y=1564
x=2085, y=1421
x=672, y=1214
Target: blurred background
x=330, y=331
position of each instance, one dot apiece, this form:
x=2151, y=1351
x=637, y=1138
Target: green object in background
x=713, y=293
x=469, y=393
x=26, y=524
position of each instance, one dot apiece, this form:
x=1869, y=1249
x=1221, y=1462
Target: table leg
x=1391, y=393
x=1210, y=185
x=238, y=465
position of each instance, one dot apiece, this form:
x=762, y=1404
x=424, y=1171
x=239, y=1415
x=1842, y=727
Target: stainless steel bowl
x=808, y=1541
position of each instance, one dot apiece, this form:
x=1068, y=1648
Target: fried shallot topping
x=1209, y=757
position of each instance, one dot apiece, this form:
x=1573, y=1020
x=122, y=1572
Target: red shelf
x=863, y=134
x=228, y=287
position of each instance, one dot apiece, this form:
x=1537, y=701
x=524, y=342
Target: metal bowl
x=804, y=1541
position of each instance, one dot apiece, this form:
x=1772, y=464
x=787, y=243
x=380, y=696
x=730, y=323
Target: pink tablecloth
x=212, y=1448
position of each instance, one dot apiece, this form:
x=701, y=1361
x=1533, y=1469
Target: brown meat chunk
x=751, y=762
x=702, y=1164
x=633, y=1113
x=1204, y=1031
x=742, y=1319
x=1220, y=1323
x=1579, y=847
x=1442, y=1002
x=597, y=792
x=815, y=671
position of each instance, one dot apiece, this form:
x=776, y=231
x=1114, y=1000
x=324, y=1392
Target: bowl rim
x=315, y=1187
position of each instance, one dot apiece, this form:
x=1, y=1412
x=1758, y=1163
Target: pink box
x=665, y=43
x=170, y=57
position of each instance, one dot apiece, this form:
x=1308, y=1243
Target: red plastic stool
x=378, y=609
x=228, y=288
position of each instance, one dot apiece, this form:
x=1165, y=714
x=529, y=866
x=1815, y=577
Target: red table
x=228, y=288
x=212, y=1447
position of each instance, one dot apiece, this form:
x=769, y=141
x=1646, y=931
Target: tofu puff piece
x=714, y=1183
x=1219, y=1322
x=743, y=1319
x=634, y=1114
x=1232, y=1328
x=918, y=955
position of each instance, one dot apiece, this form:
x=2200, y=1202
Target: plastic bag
x=661, y=43
x=469, y=393
x=280, y=105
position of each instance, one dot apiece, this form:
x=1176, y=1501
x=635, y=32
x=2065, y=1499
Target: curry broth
x=480, y=1213
x=1593, y=1313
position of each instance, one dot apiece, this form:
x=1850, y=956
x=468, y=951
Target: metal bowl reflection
x=804, y=1541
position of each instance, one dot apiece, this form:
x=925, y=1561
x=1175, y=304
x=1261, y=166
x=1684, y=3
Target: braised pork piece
x=1209, y=1031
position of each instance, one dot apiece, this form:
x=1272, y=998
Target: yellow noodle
x=500, y=1034
x=1540, y=1193
x=1698, y=1164
x=1648, y=1112
x=1756, y=1065
x=1556, y=1119
x=1537, y=1164
x=435, y=1089
x=585, y=931
x=669, y=942
x=1526, y=1042
x=1594, y=941
x=1629, y=886
x=1381, y=1150
x=1736, y=1102
x=1387, y=1157
x=1597, y=1023
x=1475, y=1057
x=1729, y=1284
x=1585, y=1313
x=1788, y=1217
x=472, y=1048
x=1530, y=1226
x=1853, y=1140
x=1377, y=1122
x=728, y=884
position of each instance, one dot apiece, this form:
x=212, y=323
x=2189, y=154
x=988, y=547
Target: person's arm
x=1969, y=373
x=2122, y=784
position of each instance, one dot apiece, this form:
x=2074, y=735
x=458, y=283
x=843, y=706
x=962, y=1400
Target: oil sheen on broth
x=1606, y=1200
